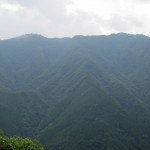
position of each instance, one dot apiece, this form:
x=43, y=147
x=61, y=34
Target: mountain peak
x=122, y=34
x=31, y=35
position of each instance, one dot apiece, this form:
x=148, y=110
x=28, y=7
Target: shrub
x=17, y=143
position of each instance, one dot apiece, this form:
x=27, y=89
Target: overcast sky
x=63, y=18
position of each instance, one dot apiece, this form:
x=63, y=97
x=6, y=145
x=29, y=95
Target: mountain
x=80, y=93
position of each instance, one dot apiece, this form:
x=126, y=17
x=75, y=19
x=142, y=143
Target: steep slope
x=20, y=113
x=27, y=57
x=77, y=93
x=94, y=102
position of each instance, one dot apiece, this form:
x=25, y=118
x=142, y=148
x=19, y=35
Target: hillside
x=80, y=93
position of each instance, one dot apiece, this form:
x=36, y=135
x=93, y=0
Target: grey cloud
x=38, y=17
x=120, y=23
x=50, y=18
x=53, y=10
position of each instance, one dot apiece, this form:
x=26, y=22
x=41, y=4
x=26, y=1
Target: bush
x=17, y=143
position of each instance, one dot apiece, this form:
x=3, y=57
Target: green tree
x=17, y=143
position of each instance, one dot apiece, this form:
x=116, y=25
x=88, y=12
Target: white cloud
x=4, y=6
x=117, y=16
x=58, y=18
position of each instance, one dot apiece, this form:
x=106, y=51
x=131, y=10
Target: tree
x=17, y=143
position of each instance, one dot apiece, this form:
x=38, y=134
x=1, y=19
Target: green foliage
x=17, y=143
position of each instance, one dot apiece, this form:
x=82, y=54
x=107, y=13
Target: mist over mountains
x=80, y=93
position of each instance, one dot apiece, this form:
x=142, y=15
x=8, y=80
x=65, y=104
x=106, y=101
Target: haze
x=60, y=18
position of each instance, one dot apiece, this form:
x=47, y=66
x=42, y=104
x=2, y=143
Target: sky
x=67, y=18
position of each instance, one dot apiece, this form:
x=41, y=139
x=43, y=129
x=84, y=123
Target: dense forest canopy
x=80, y=93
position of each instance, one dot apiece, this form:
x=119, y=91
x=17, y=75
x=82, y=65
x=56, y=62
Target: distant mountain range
x=80, y=93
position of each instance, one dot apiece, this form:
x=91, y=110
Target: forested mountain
x=80, y=93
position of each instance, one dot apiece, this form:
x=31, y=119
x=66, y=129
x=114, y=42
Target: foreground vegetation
x=17, y=143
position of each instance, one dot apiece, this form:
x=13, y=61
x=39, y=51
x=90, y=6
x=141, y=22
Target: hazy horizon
x=67, y=18
x=36, y=34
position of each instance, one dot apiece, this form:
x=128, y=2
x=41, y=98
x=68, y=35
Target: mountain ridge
x=35, y=35
x=80, y=93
